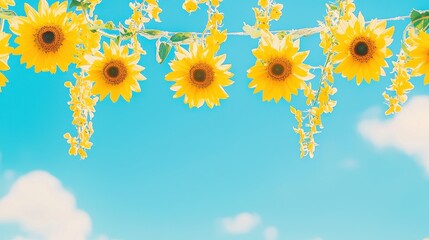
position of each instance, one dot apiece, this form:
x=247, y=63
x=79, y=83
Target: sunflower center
x=279, y=69
x=49, y=38
x=201, y=75
x=362, y=49
x=115, y=72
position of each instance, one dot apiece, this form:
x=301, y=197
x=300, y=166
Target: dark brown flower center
x=49, y=38
x=362, y=49
x=115, y=72
x=279, y=69
x=201, y=75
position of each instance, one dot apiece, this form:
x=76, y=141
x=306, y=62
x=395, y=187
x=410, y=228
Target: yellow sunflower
x=419, y=55
x=6, y=3
x=361, y=51
x=279, y=70
x=46, y=37
x=199, y=75
x=5, y=50
x=115, y=72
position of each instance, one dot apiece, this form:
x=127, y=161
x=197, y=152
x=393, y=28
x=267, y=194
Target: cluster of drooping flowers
x=82, y=104
x=107, y=57
x=266, y=12
x=319, y=101
x=412, y=60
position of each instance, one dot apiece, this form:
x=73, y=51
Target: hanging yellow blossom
x=114, y=72
x=361, y=51
x=199, y=75
x=190, y=5
x=46, y=37
x=276, y=11
x=82, y=103
x=6, y=3
x=419, y=55
x=279, y=71
x=5, y=51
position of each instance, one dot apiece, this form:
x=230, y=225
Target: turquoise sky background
x=161, y=171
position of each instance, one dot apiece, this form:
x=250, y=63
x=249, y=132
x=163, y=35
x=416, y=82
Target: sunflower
x=419, y=55
x=199, y=75
x=279, y=70
x=46, y=37
x=6, y=3
x=5, y=50
x=361, y=51
x=115, y=72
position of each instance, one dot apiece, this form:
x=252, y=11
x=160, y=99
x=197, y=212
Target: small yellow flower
x=190, y=5
x=263, y=3
x=276, y=12
x=6, y=3
x=154, y=12
x=215, y=3
x=325, y=41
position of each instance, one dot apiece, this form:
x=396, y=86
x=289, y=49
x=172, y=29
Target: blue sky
x=161, y=171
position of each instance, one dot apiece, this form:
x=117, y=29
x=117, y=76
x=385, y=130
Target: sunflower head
x=361, y=50
x=279, y=70
x=114, y=72
x=46, y=38
x=199, y=75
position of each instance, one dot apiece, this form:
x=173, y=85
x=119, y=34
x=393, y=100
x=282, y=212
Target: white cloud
x=407, y=131
x=317, y=238
x=240, y=224
x=271, y=233
x=44, y=209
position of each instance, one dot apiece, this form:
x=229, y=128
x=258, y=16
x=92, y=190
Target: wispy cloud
x=271, y=233
x=350, y=164
x=241, y=223
x=407, y=131
x=44, y=209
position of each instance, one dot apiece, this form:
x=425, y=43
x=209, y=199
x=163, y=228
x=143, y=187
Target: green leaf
x=420, y=19
x=178, y=37
x=109, y=25
x=151, y=34
x=7, y=14
x=281, y=35
x=162, y=51
x=79, y=3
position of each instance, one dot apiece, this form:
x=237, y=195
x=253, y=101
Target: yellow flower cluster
x=401, y=85
x=5, y=51
x=143, y=12
x=266, y=12
x=82, y=104
x=192, y=5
